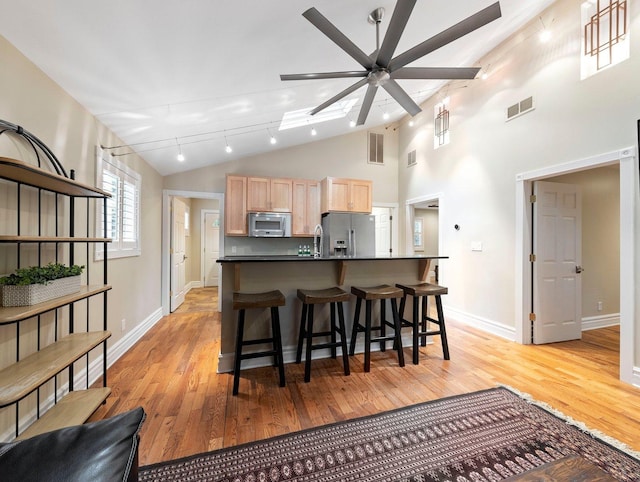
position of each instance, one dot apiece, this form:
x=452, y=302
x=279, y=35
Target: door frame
x=626, y=158
x=165, y=255
x=410, y=215
x=203, y=215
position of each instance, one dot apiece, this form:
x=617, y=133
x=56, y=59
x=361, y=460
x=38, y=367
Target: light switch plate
x=476, y=245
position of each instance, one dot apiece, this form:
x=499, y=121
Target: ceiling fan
x=381, y=68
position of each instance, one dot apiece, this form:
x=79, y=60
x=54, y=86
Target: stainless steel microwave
x=269, y=225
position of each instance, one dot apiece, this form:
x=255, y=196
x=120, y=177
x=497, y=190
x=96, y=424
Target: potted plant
x=36, y=284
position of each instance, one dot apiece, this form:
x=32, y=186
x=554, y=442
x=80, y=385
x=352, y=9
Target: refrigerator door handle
x=353, y=240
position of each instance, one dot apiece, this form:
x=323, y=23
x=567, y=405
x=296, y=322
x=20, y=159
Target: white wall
x=476, y=173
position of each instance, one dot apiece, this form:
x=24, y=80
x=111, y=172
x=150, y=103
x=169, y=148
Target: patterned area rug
x=488, y=435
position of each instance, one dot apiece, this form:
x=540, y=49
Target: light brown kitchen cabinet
x=346, y=195
x=235, y=206
x=306, y=207
x=269, y=194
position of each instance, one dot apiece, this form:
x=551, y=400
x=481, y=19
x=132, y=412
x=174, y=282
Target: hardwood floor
x=171, y=372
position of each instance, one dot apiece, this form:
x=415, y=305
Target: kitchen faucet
x=317, y=250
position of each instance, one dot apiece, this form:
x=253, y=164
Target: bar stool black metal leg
x=425, y=314
x=277, y=343
x=398, y=327
x=343, y=340
x=236, y=363
x=416, y=330
x=367, y=336
x=332, y=310
x=307, y=361
x=383, y=324
x=443, y=331
x=356, y=327
x=302, y=333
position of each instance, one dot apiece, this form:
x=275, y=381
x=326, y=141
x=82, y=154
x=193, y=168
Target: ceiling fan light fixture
x=379, y=77
x=382, y=69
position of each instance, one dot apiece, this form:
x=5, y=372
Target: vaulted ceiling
x=197, y=75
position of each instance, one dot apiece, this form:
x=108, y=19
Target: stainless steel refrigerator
x=348, y=235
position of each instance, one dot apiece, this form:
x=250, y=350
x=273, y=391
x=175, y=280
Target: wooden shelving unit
x=29, y=373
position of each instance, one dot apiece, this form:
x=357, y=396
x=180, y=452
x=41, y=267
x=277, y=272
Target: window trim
x=118, y=248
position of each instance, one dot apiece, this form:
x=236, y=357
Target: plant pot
x=38, y=293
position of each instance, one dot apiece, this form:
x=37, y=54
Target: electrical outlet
x=599, y=305
x=233, y=250
x=123, y=324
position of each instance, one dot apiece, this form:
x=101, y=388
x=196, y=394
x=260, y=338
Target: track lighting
x=544, y=35
x=272, y=139
x=180, y=156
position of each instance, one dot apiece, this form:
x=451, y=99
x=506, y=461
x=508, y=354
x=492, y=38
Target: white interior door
x=557, y=245
x=211, y=247
x=383, y=230
x=178, y=256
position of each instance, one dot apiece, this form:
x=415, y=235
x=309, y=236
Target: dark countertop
x=267, y=259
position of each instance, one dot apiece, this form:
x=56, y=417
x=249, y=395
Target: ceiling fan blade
x=325, y=75
x=398, y=22
x=398, y=93
x=366, y=104
x=340, y=39
x=435, y=73
x=339, y=96
x=460, y=29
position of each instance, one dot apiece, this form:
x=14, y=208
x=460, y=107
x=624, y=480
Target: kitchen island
x=287, y=274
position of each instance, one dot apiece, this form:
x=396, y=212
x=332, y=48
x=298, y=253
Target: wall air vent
x=411, y=158
x=522, y=107
x=376, y=148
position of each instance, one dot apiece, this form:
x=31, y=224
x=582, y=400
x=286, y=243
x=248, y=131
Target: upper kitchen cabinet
x=235, y=206
x=346, y=195
x=269, y=194
x=306, y=207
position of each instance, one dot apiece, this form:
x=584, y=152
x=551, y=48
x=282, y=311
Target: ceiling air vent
x=411, y=158
x=376, y=148
x=522, y=107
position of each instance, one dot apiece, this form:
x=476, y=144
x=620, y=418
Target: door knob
x=579, y=269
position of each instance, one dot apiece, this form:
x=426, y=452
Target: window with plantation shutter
x=123, y=208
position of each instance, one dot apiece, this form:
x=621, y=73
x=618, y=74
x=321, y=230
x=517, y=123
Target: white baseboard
x=602, y=321
x=636, y=377
x=120, y=347
x=490, y=326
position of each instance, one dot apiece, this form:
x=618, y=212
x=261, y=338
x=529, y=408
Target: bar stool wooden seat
x=420, y=293
x=245, y=301
x=335, y=297
x=369, y=295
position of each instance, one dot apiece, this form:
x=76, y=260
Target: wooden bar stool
x=244, y=301
x=369, y=295
x=421, y=292
x=334, y=296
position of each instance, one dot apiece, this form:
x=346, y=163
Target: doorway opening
x=422, y=229
x=628, y=175
x=197, y=203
